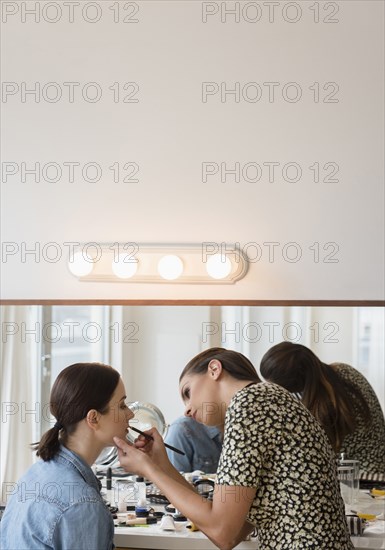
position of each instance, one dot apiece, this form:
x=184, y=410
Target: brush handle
x=152, y=439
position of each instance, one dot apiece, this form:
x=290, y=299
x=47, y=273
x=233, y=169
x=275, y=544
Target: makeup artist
x=57, y=504
x=276, y=471
x=339, y=397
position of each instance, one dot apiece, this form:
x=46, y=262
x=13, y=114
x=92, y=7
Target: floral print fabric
x=366, y=444
x=273, y=443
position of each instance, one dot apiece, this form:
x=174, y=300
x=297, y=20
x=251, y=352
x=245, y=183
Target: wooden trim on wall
x=314, y=303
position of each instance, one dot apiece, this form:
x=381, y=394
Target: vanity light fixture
x=202, y=263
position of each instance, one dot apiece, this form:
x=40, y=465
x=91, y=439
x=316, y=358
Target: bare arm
x=244, y=533
x=219, y=519
x=223, y=520
x=174, y=474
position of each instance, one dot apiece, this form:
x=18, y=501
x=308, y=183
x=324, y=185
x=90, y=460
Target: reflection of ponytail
x=78, y=389
x=332, y=400
x=49, y=444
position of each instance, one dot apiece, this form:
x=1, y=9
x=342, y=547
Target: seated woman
x=58, y=503
x=339, y=397
x=201, y=444
x=276, y=471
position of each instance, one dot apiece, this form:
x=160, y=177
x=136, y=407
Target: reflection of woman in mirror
x=57, y=502
x=339, y=397
x=201, y=444
x=276, y=471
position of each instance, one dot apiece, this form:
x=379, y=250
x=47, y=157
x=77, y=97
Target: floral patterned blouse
x=366, y=444
x=273, y=443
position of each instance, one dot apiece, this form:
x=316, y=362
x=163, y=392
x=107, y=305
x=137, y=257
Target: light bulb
x=170, y=267
x=218, y=266
x=124, y=268
x=81, y=264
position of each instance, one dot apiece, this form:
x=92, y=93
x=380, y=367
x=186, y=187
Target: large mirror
x=150, y=345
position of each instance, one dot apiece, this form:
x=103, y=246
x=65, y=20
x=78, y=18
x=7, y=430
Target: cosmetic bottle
x=140, y=491
x=109, y=479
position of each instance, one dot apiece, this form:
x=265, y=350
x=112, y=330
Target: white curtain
x=20, y=409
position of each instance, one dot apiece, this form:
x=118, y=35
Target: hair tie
x=58, y=426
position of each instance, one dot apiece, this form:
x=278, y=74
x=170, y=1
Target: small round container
x=142, y=512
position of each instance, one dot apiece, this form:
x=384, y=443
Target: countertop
x=152, y=537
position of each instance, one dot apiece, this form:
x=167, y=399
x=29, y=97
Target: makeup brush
x=149, y=437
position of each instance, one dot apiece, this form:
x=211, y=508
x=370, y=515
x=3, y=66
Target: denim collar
x=81, y=466
x=214, y=432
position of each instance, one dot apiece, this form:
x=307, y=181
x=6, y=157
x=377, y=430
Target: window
x=370, y=348
x=71, y=334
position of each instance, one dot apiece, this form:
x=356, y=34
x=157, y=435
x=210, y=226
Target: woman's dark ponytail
x=78, y=389
x=49, y=444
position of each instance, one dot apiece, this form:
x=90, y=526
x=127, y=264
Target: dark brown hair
x=233, y=362
x=334, y=401
x=78, y=389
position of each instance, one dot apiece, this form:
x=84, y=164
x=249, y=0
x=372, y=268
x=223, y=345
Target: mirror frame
x=337, y=303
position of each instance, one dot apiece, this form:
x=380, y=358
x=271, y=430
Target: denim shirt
x=57, y=505
x=201, y=444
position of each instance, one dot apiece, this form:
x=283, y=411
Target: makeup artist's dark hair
x=334, y=401
x=78, y=389
x=233, y=362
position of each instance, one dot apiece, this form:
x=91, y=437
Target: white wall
x=328, y=331
x=166, y=339
x=169, y=52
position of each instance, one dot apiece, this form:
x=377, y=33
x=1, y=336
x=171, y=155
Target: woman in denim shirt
x=201, y=444
x=57, y=503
